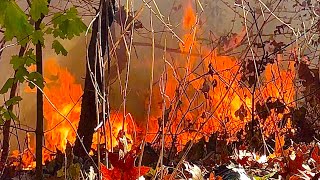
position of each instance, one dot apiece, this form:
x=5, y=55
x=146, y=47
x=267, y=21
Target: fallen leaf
x=294, y=178
x=294, y=165
x=315, y=155
x=279, y=144
x=123, y=168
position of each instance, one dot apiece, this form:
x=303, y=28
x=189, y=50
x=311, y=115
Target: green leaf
x=60, y=172
x=49, y=30
x=68, y=24
x=36, y=78
x=58, y=48
x=17, y=62
x=1, y=120
x=37, y=37
x=3, y=6
x=74, y=171
x=9, y=115
x=21, y=74
x=1, y=112
x=6, y=115
x=268, y=176
x=28, y=60
x=13, y=101
x=7, y=86
x=38, y=7
x=15, y=22
x=30, y=57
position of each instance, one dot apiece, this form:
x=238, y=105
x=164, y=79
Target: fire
x=24, y=160
x=215, y=102
x=189, y=19
x=65, y=94
x=224, y=84
x=116, y=124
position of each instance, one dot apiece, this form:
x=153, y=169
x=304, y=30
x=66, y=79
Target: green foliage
x=15, y=22
x=16, y=62
x=7, y=86
x=1, y=118
x=67, y=25
x=13, y=101
x=30, y=58
x=58, y=48
x=21, y=73
x=27, y=60
x=38, y=7
x=73, y=171
x=20, y=65
x=266, y=177
x=6, y=115
x=37, y=37
x=36, y=78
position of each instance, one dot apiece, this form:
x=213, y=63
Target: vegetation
x=167, y=94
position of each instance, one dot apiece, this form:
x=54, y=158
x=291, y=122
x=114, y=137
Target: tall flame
x=65, y=94
x=189, y=18
x=276, y=82
x=62, y=114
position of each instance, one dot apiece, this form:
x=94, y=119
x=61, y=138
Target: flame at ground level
x=187, y=108
x=65, y=96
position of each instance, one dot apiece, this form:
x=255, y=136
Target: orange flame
x=189, y=18
x=184, y=122
x=185, y=116
x=65, y=94
x=116, y=119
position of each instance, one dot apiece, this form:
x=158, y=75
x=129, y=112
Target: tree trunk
x=6, y=127
x=88, y=116
x=39, y=124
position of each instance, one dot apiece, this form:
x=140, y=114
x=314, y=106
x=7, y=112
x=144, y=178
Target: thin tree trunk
x=88, y=116
x=6, y=127
x=39, y=125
